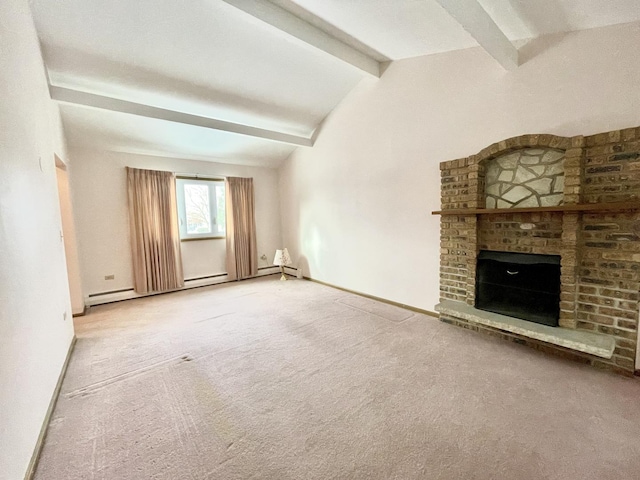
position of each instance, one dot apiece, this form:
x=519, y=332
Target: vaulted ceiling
x=248, y=81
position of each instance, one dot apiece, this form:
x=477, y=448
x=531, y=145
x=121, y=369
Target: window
x=200, y=208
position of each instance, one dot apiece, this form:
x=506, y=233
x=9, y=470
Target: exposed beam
x=77, y=97
x=475, y=20
x=289, y=23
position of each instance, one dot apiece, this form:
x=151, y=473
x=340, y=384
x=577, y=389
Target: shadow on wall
x=303, y=264
x=530, y=49
x=540, y=21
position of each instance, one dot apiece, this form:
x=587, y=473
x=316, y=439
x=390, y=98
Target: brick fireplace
x=573, y=197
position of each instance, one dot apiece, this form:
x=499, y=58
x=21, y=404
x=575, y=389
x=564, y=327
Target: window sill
x=202, y=238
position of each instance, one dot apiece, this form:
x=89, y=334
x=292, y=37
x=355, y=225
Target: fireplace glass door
x=520, y=285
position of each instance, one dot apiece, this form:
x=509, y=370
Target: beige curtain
x=155, y=238
x=242, y=252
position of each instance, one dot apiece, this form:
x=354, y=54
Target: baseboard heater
x=205, y=277
x=111, y=292
x=129, y=293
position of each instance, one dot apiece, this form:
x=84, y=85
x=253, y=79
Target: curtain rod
x=199, y=175
x=188, y=175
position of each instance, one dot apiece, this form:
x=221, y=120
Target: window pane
x=196, y=202
x=220, y=206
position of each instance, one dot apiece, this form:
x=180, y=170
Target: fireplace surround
x=575, y=198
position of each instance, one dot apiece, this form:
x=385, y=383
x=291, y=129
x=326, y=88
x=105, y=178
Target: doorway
x=69, y=237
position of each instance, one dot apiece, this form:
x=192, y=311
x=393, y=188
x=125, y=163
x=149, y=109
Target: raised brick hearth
x=599, y=250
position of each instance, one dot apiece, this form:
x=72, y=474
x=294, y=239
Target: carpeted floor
x=265, y=379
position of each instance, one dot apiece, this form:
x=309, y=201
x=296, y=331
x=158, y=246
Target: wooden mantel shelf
x=583, y=207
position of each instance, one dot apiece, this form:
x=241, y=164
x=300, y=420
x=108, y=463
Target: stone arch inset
x=477, y=163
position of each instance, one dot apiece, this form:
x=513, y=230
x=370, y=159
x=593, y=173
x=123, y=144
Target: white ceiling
x=88, y=128
x=411, y=28
x=396, y=28
x=208, y=58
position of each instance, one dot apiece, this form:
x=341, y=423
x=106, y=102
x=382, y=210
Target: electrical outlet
x=109, y=277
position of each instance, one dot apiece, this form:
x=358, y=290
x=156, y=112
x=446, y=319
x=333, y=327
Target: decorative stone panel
x=525, y=178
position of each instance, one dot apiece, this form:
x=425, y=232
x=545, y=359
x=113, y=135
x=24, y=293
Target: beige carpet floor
x=265, y=379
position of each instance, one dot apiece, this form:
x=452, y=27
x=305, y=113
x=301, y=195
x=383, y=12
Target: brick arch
x=478, y=162
x=523, y=141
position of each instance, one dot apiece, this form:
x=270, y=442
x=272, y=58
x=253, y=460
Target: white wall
x=98, y=186
x=34, y=294
x=356, y=208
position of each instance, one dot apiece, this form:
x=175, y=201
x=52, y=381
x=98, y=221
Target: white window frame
x=212, y=184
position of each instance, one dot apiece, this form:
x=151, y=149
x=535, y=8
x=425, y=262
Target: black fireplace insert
x=520, y=285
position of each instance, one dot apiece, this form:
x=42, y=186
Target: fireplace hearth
x=520, y=285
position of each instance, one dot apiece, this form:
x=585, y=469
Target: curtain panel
x=155, y=238
x=242, y=250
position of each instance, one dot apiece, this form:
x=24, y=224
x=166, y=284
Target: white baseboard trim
x=129, y=293
x=33, y=464
x=378, y=299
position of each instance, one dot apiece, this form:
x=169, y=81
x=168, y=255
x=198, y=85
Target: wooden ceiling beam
x=295, y=26
x=76, y=97
x=477, y=22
